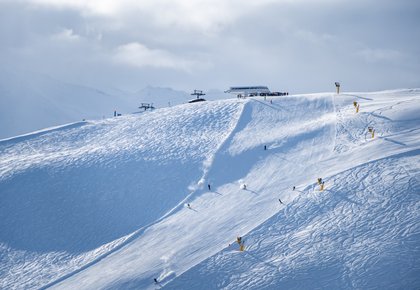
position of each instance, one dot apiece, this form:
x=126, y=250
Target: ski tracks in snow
x=347, y=237
x=368, y=216
x=338, y=238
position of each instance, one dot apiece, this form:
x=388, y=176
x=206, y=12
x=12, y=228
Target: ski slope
x=73, y=193
x=361, y=232
x=102, y=204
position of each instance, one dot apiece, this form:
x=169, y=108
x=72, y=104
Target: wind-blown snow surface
x=100, y=205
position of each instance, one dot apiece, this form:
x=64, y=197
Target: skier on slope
x=208, y=185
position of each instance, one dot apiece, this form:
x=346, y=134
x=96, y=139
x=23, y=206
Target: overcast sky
x=299, y=46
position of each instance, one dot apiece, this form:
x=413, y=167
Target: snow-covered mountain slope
x=361, y=232
x=101, y=205
x=74, y=190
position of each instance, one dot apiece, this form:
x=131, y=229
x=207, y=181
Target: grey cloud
x=300, y=46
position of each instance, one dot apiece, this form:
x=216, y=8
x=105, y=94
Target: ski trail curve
x=133, y=236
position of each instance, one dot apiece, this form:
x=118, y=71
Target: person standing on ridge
x=208, y=185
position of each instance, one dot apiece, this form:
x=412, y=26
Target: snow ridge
x=103, y=204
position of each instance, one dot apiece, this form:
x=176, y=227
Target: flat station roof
x=248, y=89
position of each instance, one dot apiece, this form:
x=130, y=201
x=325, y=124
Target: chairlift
x=146, y=106
x=198, y=94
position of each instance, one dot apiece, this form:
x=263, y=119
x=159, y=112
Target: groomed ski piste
x=104, y=204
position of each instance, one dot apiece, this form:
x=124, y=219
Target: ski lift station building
x=249, y=91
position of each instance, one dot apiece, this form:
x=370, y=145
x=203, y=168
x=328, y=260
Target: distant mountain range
x=32, y=101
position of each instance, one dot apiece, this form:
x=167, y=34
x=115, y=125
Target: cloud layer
x=299, y=46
